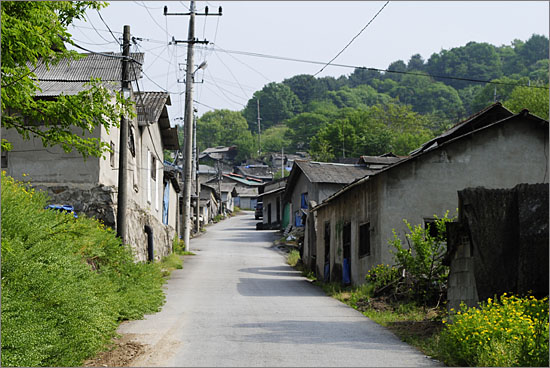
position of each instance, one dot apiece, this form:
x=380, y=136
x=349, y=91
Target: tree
x=535, y=100
x=277, y=103
x=416, y=63
x=534, y=49
x=225, y=128
x=306, y=87
x=33, y=34
x=302, y=128
x=273, y=138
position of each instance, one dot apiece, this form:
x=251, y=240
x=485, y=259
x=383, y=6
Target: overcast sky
x=308, y=30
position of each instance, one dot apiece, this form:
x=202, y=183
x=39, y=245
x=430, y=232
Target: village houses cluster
x=346, y=211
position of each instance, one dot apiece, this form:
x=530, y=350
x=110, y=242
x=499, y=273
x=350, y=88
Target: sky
x=306, y=30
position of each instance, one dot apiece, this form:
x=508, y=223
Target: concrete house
x=493, y=149
x=315, y=181
x=272, y=198
x=91, y=185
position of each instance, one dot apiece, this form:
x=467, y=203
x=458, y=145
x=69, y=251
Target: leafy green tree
x=533, y=99
x=534, y=49
x=306, y=87
x=397, y=66
x=225, y=128
x=474, y=60
x=416, y=63
x=427, y=96
x=32, y=36
x=362, y=76
x=486, y=96
x=539, y=71
x=302, y=128
x=273, y=138
x=277, y=103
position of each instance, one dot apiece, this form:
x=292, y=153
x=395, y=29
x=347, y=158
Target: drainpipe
x=150, y=245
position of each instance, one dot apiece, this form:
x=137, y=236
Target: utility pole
x=197, y=180
x=122, y=198
x=188, y=115
x=259, y=130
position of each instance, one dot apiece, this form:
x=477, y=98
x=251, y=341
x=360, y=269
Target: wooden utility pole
x=188, y=115
x=259, y=130
x=122, y=198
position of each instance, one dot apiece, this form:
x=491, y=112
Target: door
x=346, y=262
x=269, y=213
x=326, y=276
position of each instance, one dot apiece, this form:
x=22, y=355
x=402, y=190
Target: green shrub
x=178, y=245
x=511, y=331
x=381, y=276
x=293, y=258
x=422, y=260
x=66, y=283
x=217, y=218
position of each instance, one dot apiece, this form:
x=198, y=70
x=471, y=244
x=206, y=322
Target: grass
x=293, y=258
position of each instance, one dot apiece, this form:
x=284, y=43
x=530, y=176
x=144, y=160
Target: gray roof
x=70, y=76
x=324, y=172
x=150, y=106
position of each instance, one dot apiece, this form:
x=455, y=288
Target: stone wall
x=100, y=202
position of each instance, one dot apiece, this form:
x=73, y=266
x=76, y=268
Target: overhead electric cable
x=106, y=25
x=255, y=54
x=353, y=39
x=96, y=30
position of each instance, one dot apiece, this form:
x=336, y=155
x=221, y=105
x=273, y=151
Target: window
x=153, y=167
x=304, y=201
x=112, y=154
x=4, y=160
x=364, y=240
x=149, y=157
x=429, y=224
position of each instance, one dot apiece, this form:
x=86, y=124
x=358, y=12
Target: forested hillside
x=374, y=112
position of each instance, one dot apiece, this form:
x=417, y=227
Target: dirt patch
x=380, y=304
x=122, y=353
x=419, y=329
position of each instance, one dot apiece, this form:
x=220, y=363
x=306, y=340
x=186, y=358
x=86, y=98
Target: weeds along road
x=237, y=303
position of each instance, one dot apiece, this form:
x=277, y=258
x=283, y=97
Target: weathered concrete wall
x=49, y=165
x=357, y=207
x=302, y=186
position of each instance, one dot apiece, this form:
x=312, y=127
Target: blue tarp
x=62, y=208
x=165, y=204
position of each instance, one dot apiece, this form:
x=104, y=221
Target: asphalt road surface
x=237, y=303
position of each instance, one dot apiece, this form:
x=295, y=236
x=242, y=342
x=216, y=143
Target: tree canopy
x=33, y=34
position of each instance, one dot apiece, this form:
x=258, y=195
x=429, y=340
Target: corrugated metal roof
x=324, y=172
x=247, y=192
x=52, y=89
x=149, y=105
x=90, y=66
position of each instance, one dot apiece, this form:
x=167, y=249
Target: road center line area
x=237, y=303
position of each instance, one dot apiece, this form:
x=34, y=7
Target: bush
x=66, y=282
x=217, y=218
x=381, y=276
x=293, y=258
x=178, y=245
x=422, y=261
x=512, y=331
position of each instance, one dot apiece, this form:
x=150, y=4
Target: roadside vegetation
x=408, y=298
x=66, y=283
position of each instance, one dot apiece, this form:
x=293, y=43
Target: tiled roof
x=150, y=105
x=324, y=172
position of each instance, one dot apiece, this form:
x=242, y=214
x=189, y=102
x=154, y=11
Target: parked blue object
x=346, y=272
x=62, y=208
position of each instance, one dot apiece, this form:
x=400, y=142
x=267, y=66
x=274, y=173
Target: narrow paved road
x=236, y=303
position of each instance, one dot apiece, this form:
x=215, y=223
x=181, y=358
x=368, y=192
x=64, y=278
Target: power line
x=353, y=39
x=96, y=31
x=242, y=62
x=106, y=25
x=255, y=54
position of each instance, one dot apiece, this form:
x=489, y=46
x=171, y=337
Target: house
x=209, y=204
x=91, y=185
x=219, y=153
x=246, y=197
x=272, y=198
x=227, y=200
x=493, y=148
x=260, y=172
x=315, y=181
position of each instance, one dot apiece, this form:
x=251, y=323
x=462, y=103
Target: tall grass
x=66, y=283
